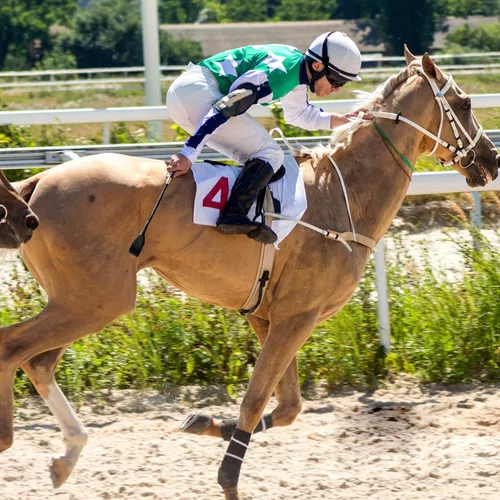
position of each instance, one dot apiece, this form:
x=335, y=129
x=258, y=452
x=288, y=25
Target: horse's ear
x=430, y=68
x=409, y=56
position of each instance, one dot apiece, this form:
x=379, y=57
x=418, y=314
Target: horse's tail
x=26, y=187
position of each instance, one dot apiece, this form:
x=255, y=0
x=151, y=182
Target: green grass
x=443, y=329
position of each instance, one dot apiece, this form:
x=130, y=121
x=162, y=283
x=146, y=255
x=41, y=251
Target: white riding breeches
x=192, y=95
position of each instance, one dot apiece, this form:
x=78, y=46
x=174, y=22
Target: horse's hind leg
x=287, y=394
x=40, y=370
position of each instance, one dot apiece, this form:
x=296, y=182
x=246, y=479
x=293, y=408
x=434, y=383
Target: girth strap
x=265, y=266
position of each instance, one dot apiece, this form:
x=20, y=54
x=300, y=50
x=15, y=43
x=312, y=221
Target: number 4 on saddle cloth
x=215, y=181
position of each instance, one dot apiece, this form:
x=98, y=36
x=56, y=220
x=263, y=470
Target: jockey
x=211, y=98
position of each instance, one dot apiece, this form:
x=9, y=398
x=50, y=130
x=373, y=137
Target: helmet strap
x=315, y=75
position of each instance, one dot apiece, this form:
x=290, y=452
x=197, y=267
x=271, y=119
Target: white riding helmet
x=340, y=56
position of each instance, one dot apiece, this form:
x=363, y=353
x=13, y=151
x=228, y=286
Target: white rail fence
x=422, y=183
x=90, y=72
x=99, y=77
x=158, y=113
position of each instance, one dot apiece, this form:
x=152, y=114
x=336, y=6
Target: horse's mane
x=342, y=136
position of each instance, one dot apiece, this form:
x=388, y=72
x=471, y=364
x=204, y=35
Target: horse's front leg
x=284, y=338
x=287, y=395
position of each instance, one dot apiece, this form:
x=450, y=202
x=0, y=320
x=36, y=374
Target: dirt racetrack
x=401, y=442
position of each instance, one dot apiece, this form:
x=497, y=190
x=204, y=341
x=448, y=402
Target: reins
x=460, y=151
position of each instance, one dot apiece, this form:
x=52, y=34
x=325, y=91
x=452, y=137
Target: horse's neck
x=375, y=178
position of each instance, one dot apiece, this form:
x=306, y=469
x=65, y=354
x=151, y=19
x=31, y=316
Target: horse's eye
x=466, y=104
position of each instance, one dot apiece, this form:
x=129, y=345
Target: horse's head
x=459, y=141
x=17, y=221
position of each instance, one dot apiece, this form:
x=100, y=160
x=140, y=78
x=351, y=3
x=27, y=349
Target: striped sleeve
x=297, y=111
x=193, y=146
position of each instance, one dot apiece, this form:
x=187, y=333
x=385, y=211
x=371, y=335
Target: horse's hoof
x=5, y=444
x=197, y=423
x=60, y=470
x=231, y=493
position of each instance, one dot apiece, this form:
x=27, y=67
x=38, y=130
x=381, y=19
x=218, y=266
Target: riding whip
x=138, y=244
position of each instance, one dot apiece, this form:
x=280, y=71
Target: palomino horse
x=17, y=220
x=91, y=209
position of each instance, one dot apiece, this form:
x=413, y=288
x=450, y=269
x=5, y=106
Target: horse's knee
x=286, y=414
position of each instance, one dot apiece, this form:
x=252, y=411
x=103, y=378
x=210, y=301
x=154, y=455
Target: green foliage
x=464, y=8
x=109, y=34
x=15, y=136
x=214, y=12
x=179, y=11
x=443, y=329
x=248, y=11
x=290, y=130
x=407, y=21
x=354, y=9
x=484, y=38
x=57, y=58
x=306, y=10
x=23, y=21
x=121, y=134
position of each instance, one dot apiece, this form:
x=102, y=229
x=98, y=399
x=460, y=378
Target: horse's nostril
x=31, y=222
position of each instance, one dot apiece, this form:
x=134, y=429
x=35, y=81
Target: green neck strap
x=383, y=134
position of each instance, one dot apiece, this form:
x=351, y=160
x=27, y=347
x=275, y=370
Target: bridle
x=3, y=220
x=460, y=151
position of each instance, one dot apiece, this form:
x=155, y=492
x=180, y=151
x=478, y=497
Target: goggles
x=336, y=80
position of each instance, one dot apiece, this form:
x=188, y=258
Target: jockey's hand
x=179, y=164
x=337, y=119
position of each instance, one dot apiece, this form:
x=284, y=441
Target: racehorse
x=17, y=220
x=92, y=208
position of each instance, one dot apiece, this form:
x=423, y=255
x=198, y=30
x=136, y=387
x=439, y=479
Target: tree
x=464, y=8
x=109, y=34
x=179, y=11
x=24, y=21
x=245, y=11
x=353, y=9
x=484, y=38
x=306, y=10
x=408, y=21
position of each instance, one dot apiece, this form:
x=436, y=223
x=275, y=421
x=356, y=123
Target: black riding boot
x=254, y=176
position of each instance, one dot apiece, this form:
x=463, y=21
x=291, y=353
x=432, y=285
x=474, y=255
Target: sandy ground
x=401, y=442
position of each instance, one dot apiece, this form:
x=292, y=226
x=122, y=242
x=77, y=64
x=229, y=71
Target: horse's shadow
x=50, y=427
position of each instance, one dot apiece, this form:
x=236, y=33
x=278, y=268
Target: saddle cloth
x=214, y=183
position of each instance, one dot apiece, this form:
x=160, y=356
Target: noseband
x=3, y=220
x=461, y=152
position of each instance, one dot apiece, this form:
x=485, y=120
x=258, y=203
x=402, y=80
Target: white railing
x=366, y=58
x=136, y=82
x=39, y=81
x=152, y=113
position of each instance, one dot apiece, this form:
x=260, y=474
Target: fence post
x=384, y=327
x=106, y=133
x=476, y=214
